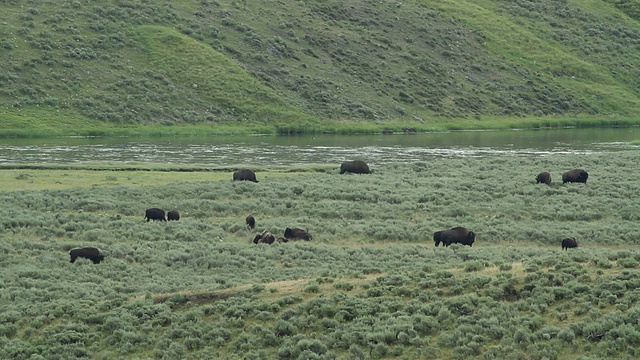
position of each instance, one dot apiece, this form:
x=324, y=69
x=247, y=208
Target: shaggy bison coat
x=437, y=237
x=355, y=166
x=244, y=175
x=173, y=215
x=251, y=221
x=90, y=253
x=154, y=214
x=460, y=235
x=265, y=237
x=569, y=242
x=543, y=177
x=575, y=175
x=297, y=234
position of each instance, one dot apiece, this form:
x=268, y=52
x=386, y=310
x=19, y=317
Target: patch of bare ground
x=284, y=288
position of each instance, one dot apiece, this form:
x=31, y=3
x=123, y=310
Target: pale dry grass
x=282, y=288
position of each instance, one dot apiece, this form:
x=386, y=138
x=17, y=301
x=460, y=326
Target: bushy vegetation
x=290, y=66
x=370, y=284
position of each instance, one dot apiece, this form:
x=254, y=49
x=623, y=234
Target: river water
x=316, y=149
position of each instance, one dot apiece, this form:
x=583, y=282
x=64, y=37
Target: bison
x=543, y=177
x=90, y=253
x=460, y=235
x=244, y=175
x=173, y=215
x=575, y=175
x=569, y=242
x=355, y=166
x=154, y=214
x=265, y=237
x=297, y=234
x=251, y=221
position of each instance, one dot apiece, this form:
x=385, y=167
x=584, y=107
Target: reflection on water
x=293, y=150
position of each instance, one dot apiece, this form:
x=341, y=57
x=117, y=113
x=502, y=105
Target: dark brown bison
x=154, y=214
x=460, y=235
x=543, y=177
x=437, y=237
x=244, y=175
x=569, y=242
x=265, y=237
x=575, y=175
x=251, y=221
x=355, y=166
x=90, y=253
x=173, y=215
x=297, y=234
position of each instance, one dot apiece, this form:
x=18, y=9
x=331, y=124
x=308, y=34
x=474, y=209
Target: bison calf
x=173, y=215
x=543, y=177
x=250, y=221
x=569, y=242
x=90, y=253
x=266, y=237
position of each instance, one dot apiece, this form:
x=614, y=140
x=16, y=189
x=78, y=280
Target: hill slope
x=251, y=63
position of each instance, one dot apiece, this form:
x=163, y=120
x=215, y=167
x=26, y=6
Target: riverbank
x=43, y=125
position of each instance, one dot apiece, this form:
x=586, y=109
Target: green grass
x=370, y=284
x=224, y=67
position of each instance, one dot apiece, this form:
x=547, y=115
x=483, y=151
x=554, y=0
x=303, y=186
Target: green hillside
x=80, y=66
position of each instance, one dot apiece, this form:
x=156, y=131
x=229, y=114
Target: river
x=316, y=149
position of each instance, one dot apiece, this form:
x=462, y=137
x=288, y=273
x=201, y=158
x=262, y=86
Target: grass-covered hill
x=316, y=65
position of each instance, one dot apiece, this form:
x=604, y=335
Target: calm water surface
x=319, y=149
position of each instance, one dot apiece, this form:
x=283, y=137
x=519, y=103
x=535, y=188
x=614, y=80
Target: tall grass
x=370, y=284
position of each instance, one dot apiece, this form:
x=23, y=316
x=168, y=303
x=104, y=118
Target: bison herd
x=158, y=214
x=575, y=175
x=455, y=235
x=354, y=167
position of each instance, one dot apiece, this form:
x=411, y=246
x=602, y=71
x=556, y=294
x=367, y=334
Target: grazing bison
x=543, y=177
x=575, y=175
x=296, y=234
x=173, y=215
x=569, y=242
x=265, y=237
x=460, y=235
x=356, y=167
x=251, y=221
x=437, y=237
x=244, y=175
x=154, y=214
x=90, y=253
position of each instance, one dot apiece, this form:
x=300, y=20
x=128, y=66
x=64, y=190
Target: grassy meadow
x=370, y=285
